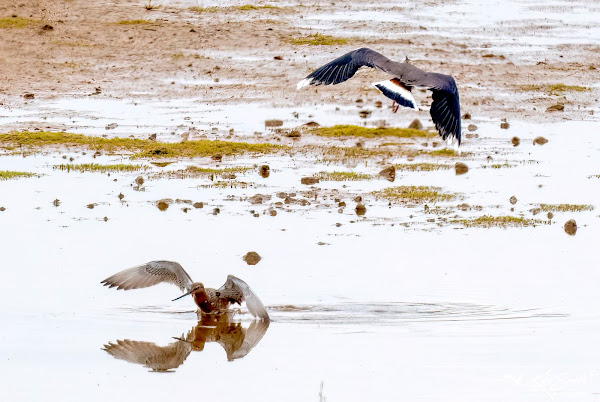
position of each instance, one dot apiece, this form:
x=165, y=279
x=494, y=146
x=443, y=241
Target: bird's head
x=196, y=287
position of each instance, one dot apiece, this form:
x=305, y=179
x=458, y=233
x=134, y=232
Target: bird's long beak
x=183, y=295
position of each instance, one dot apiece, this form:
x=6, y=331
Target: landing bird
x=210, y=301
x=445, y=108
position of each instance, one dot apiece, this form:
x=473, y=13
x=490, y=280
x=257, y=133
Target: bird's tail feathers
x=398, y=92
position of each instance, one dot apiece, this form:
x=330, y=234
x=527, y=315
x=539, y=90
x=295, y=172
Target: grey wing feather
x=149, y=354
x=150, y=274
x=344, y=67
x=255, y=306
x=254, y=334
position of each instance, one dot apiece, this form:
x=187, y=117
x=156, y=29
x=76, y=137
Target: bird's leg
x=395, y=106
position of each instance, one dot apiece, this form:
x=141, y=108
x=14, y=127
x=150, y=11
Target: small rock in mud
x=364, y=113
x=535, y=211
x=259, y=199
x=360, y=209
x=293, y=134
x=198, y=205
x=389, y=173
x=277, y=58
x=358, y=198
x=272, y=212
x=29, y=96
x=217, y=157
x=216, y=211
x=251, y=258
x=337, y=225
x=515, y=141
x=152, y=137
x=539, y=141
x=472, y=127
x=264, y=171
x=416, y=124
x=162, y=205
x=556, y=108
x=111, y=126
x=309, y=181
x=466, y=116
x=185, y=210
x=2, y=209
x=90, y=206
x=513, y=200
x=461, y=168
x=378, y=104
x=342, y=204
x=121, y=196
x=504, y=125
x=550, y=215
x=139, y=180
x=47, y=27
x=273, y=123
x=56, y=202
x=105, y=219
x=571, y=227
x=360, y=144
x=311, y=124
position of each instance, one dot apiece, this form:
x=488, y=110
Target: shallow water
x=399, y=304
x=389, y=303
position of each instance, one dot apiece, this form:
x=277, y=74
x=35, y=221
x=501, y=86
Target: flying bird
x=445, y=108
x=210, y=301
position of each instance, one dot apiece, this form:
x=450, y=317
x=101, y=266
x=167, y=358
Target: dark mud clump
x=273, y=123
x=516, y=141
x=540, y=141
x=56, y=202
x=571, y=227
x=2, y=209
x=389, y=173
x=513, y=200
x=504, y=125
x=264, y=171
x=461, y=168
x=121, y=196
x=360, y=209
x=251, y=258
x=198, y=205
x=91, y=206
x=216, y=211
x=163, y=205
x=309, y=181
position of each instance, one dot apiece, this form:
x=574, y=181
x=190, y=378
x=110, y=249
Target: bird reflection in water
x=232, y=336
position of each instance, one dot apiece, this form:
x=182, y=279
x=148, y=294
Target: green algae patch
x=343, y=176
x=193, y=172
x=7, y=175
x=95, y=167
x=15, y=22
x=446, y=153
x=553, y=88
x=488, y=221
x=498, y=166
x=139, y=148
x=415, y=194
x=421, y=167
x=318, y=40
x=566, y=207
x=201, y=10
x=364, y=132
x=134, y=22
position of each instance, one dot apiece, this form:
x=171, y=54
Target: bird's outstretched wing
x=344, y=67
x=252, y=335
x=150, y=274
x=149, y=354
x=445, y=108
x=255, y=306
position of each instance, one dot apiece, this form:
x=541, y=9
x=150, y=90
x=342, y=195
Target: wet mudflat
x=447, y=283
